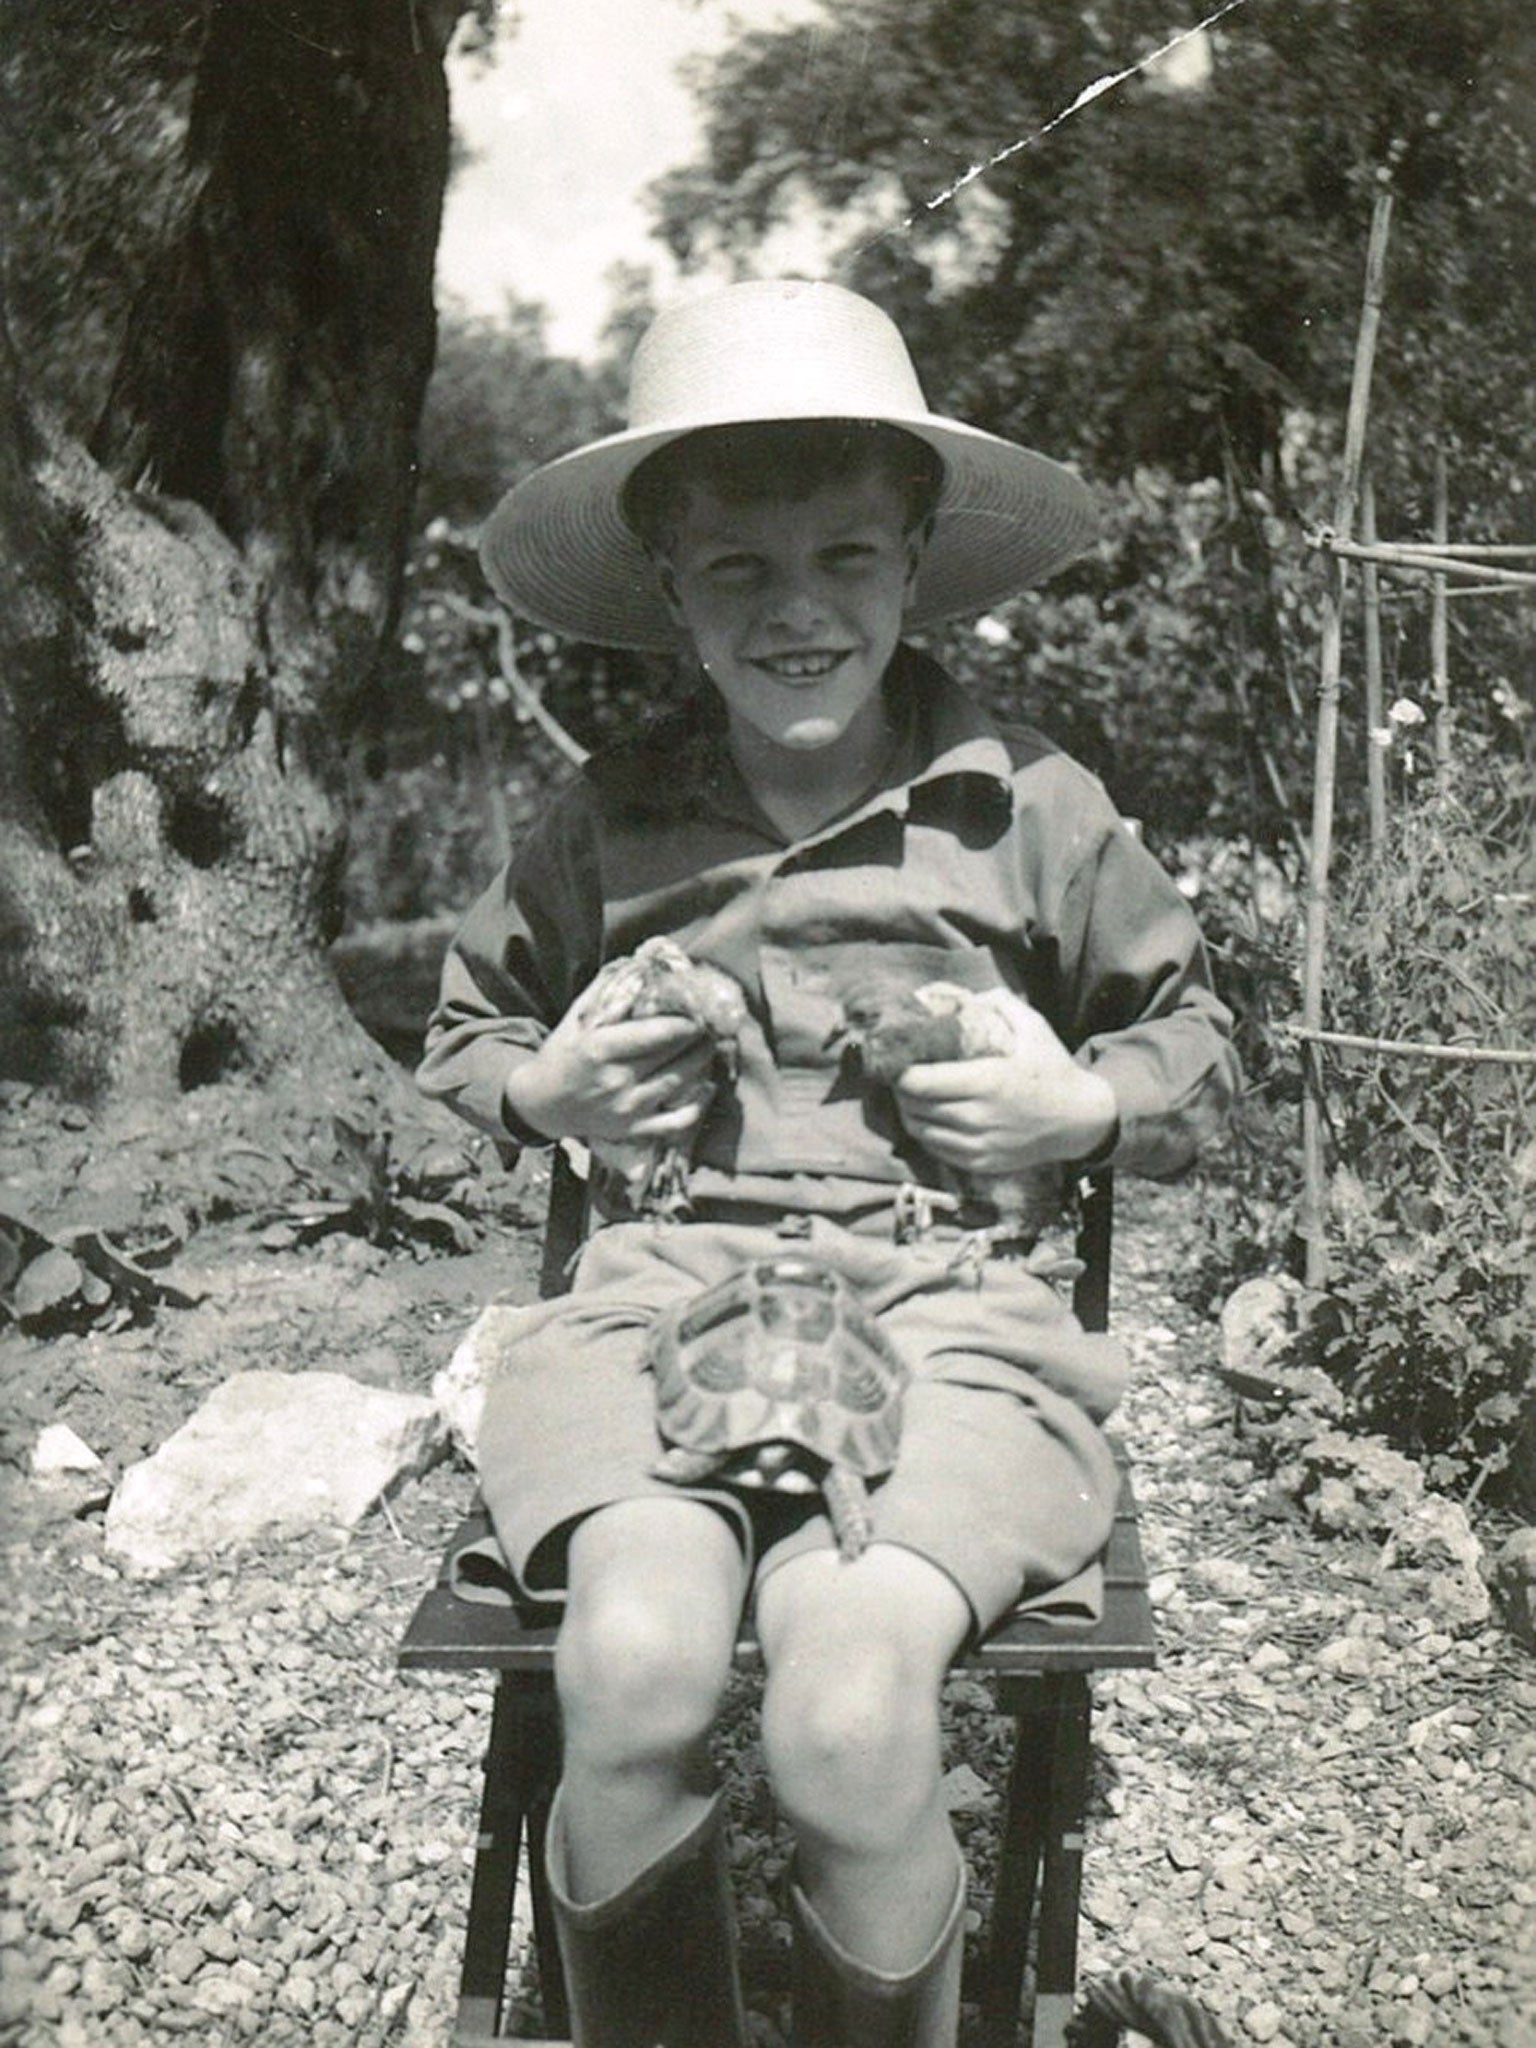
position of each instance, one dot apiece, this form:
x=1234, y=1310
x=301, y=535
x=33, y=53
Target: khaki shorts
x=1003, y=1480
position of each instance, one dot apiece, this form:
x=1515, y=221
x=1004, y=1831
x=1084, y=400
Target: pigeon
x=660, y=980
x=894, y=1028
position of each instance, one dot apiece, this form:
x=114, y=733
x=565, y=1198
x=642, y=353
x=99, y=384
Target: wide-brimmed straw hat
x=558, y=551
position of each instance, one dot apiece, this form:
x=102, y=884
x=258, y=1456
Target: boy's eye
x=733, y=568
x=851, y=554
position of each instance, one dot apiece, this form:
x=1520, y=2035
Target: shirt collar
x=952, y=768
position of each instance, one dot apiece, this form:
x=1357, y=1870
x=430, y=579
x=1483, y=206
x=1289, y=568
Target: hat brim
x=558, y=552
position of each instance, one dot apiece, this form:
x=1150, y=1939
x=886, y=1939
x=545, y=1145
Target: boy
x=782, y=506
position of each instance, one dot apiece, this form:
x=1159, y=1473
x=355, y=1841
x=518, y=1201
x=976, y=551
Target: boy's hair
x=781, y=462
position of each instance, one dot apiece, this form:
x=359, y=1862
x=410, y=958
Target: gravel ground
x=231, y=1819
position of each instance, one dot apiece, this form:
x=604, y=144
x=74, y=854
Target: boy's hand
x=1002, y=1114
x=607, y=1083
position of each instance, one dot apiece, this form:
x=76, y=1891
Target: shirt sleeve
x=525, y=950
x=1138, y=1005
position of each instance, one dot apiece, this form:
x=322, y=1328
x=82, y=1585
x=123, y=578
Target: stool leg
x=1062, y=1877
x=516, y=1769
x=1032, y=1702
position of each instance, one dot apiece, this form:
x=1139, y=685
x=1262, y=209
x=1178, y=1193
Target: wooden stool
x=1040, y=1671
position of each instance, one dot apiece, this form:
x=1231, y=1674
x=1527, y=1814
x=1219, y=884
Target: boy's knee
x=634, y=1680
x=852, y=1744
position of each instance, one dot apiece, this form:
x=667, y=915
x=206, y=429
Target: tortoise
x=779, y=1377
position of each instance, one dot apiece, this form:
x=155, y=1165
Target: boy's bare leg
x=856, y=1656
x=655, y=1594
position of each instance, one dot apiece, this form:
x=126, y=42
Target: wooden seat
x=1040, y=1670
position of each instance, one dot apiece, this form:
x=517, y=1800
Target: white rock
x=1258, y=1323
x=1433, y=1553
x=58, y=1450
x=1361, y=1484
x=269, y=1453
x=459, y=1389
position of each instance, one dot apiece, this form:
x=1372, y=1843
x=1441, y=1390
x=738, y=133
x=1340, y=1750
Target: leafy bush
x=1170, y=661
x=1433, y=1194
x=1249, y=908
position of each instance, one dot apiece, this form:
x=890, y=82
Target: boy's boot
x=654, y=1966
x=840, y=2002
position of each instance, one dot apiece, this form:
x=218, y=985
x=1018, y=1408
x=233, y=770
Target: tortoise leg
x=848, y=1505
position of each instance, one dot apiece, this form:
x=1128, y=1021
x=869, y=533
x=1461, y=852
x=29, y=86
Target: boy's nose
x=795, y=602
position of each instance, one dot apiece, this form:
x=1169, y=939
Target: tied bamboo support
x=1313, y=1217
x=1409, y=1048
x=1477, y=565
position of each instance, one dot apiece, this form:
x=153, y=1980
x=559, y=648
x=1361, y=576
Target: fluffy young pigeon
x=659, y=980
x=895, y=1028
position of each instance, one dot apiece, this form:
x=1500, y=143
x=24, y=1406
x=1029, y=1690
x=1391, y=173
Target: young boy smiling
x=783, y=507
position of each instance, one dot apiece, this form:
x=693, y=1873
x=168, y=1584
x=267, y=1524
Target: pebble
x=1349, y=1657
x=183, y=1959
x=1262, y=2022
x=219, y=1943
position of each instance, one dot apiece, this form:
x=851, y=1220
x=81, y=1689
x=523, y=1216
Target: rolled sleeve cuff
x=1153, y=1136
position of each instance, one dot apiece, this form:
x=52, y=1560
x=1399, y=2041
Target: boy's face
x=794, y=609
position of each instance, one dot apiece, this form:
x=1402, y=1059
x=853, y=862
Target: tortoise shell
x=781, y=1352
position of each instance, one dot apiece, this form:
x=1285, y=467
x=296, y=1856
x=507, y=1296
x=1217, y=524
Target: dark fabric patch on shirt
x=976, y=808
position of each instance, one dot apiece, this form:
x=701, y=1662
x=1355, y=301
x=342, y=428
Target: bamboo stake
x=1423, y=559
x=1347, y=1041
x=1439, y=637
x=1375, y=707
x=1472, y=550
x=1312, y=1219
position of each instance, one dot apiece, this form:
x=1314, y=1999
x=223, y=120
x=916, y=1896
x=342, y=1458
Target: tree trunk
x=218, y=329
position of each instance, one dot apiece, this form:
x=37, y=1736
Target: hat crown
x=772, y=349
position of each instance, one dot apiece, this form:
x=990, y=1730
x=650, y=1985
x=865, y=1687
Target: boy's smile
x=794, y=609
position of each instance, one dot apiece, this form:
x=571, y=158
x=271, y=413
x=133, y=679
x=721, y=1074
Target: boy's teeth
x=801, y=664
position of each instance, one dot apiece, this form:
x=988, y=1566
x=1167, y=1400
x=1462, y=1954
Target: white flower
x=995, y=632
x=1507, y=704
x=1405, y=712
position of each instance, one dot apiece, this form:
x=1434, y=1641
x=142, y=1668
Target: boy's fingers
x=945, y=1080
x=639, y=1037
x=669, y=1085
x=663, y=1123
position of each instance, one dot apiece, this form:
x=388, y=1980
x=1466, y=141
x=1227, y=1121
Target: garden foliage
x=1433, y=1196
